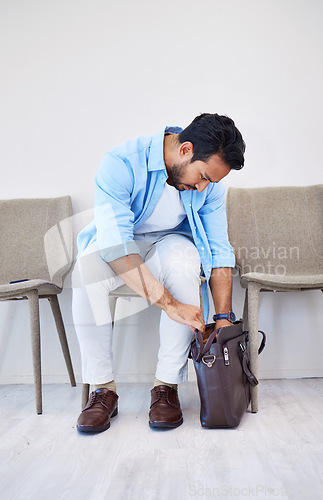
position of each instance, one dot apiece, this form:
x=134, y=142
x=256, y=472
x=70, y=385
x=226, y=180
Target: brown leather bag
x=223, y=376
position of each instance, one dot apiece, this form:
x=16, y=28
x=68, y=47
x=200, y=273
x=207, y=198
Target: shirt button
x=202, y=248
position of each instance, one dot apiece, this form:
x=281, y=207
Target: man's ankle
x=159, y=382
x=111, y=386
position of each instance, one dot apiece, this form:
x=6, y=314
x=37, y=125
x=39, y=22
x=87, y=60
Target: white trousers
x=174, y=261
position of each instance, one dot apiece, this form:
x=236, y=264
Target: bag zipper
x=226, y=356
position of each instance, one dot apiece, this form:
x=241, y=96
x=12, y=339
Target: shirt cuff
x=117, y=251
x=223, y=260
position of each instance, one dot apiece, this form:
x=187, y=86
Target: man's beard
x=178, y=172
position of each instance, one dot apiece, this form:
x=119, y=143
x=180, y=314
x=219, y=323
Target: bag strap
x=199, y=344
x=263, y=341
x=250, y=376
x=210, y=340
x=202, y=349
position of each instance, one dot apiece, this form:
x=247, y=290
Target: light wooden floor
x=277, y=453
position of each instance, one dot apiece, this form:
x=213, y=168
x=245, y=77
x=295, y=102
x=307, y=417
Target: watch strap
x=230, y=316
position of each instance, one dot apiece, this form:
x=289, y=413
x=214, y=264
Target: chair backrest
x=277, y=230
x=36, y=239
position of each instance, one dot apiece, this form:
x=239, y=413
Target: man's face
x=188, y=175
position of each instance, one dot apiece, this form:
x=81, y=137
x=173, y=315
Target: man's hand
x=134, y=272
x=186, y=315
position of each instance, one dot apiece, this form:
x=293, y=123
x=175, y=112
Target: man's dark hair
x=213, y=134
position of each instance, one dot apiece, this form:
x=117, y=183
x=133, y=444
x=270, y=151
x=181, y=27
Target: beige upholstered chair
x=277, y=236
x=122, y=291
x=37, y=246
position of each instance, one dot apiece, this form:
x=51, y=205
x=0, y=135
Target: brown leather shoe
x=165, y=410
x=102, y=405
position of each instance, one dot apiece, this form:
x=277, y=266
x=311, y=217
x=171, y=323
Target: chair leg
x=85, y=394
x=53, y=300
x=253, y=304
x=33, y=301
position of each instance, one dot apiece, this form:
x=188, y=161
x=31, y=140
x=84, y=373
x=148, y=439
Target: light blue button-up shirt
x=128, y=185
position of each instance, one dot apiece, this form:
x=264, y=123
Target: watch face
x=231, y=317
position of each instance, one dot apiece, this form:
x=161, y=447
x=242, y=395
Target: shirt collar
x=156, y=153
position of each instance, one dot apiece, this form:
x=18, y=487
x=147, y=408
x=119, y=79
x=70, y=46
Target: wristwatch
x=230, y=316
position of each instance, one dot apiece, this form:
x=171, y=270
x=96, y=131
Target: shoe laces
x=98, y=397
x=162, y=392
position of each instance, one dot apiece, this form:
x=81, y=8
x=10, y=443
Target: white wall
x=78, y=77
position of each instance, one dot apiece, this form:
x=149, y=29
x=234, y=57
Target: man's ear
x=186, y=149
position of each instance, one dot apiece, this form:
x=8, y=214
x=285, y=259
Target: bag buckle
x=208, y=360
x=242, y=346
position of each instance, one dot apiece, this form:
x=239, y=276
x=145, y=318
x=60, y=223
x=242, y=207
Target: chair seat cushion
x=284, y=282
x=14, y=290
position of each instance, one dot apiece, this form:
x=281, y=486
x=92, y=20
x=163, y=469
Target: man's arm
x=221, y=289
x=134, y=272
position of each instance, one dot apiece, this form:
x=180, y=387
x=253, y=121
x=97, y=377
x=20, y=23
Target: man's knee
x=183, y=262
x=91, y=269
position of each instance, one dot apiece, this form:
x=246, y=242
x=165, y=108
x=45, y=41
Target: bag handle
x=202, y=349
